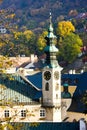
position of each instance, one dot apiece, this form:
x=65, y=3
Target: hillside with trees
x=26, y=23
x=34, y=13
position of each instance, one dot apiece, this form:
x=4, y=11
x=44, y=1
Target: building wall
x=32, y=113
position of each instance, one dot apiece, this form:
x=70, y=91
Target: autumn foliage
x=65, y=27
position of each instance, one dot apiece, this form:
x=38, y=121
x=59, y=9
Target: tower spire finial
x=50, y=22
x=50, y=17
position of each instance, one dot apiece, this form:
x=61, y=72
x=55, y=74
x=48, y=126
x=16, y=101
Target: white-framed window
x=6, y=113
x=42, y=113
x=23, y=113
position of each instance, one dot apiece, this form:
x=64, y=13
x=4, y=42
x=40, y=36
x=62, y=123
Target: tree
x=41, y=42
x=71, y=47
x=69, y=43
x=24, y=42
x=7, y=26
x=14, y=42
x=64, y=28
x=5, y=63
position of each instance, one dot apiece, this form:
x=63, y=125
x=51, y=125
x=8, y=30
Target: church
x=39, y=96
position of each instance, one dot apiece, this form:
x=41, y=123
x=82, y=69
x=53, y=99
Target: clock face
x=56, y=75
x=47, y=75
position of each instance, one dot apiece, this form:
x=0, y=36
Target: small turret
x=65, y=93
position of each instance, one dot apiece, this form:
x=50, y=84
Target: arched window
x=56, y=96
x=56, y=87
x=47, y=86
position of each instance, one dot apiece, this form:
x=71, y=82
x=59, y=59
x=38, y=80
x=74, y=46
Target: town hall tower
x=51, y=79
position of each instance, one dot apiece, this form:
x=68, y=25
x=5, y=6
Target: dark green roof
x=51, y=126
x=17, y=89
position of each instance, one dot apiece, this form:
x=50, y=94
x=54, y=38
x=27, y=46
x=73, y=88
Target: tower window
x=47, y=87
x=56, y=96
x=23, y=113
x=42, y=113
x=6, y=113
x=57, y=87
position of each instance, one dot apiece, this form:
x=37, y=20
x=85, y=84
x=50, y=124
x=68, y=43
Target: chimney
x=33, y=58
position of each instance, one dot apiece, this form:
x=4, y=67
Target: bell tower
x=51, y=78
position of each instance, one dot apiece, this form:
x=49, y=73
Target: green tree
x=41, y=42
x=24, y=42
x=69, y=43
x=7, y=23
x=70, y=48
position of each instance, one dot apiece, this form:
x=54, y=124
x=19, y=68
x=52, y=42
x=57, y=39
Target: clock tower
x=51, y=79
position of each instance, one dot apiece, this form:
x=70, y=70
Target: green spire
x=50, y=29
x=50, y=49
